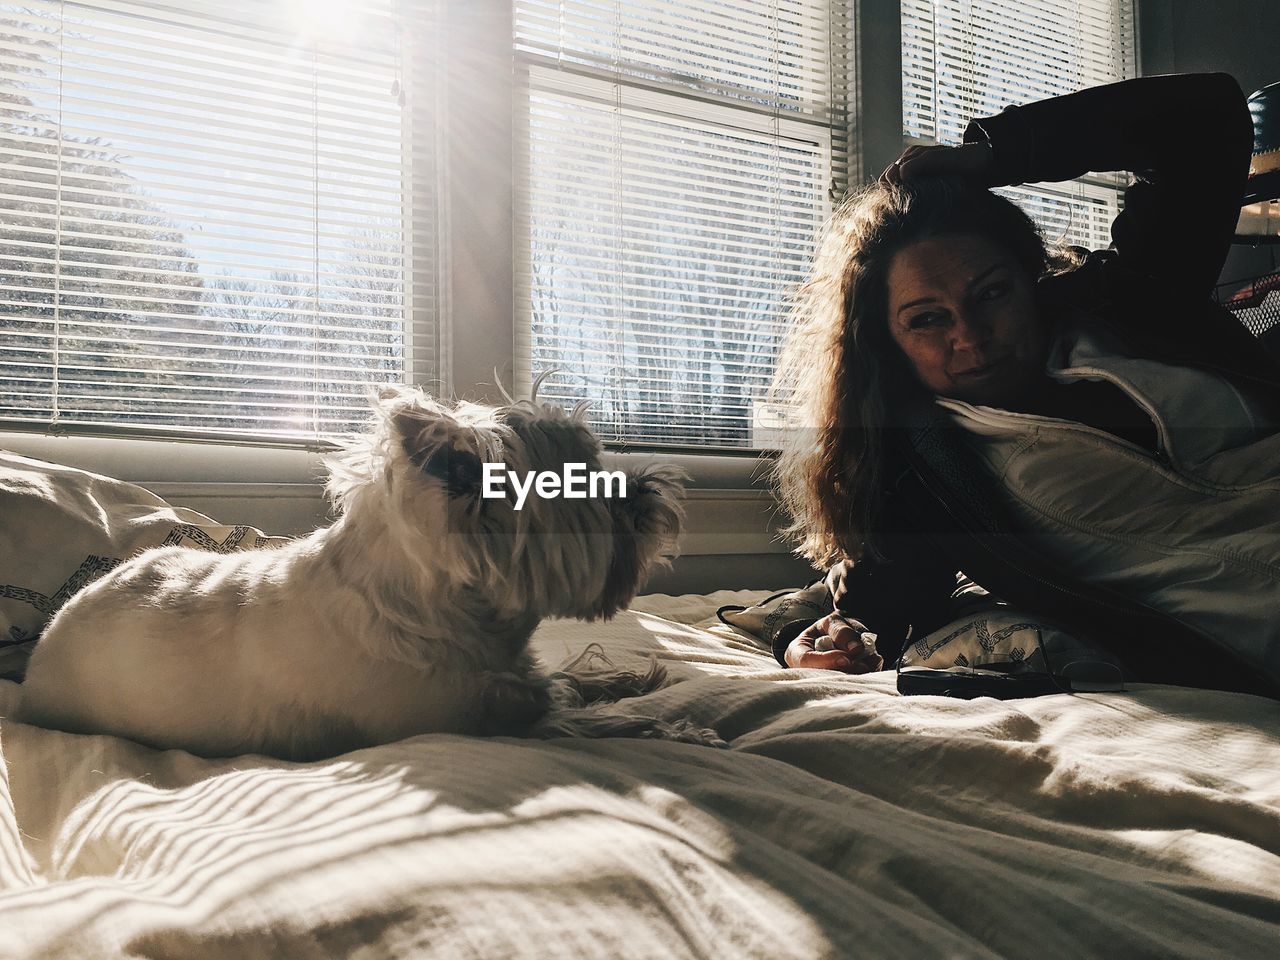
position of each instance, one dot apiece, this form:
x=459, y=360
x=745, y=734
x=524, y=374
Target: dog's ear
x=438, y=445
x=646, y=528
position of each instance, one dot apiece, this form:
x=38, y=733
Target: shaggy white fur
x=410, y=614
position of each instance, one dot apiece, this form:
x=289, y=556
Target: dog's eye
x=459, y=470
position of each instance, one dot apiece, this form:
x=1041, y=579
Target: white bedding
x=844, y=821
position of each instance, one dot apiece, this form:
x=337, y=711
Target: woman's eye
x=995, y=291
x=925, y=320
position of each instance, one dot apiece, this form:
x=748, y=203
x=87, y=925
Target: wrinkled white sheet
x=844, y=821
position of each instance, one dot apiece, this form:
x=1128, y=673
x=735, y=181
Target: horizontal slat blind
x=676, y=162
x=204, y=209
x=971, y=58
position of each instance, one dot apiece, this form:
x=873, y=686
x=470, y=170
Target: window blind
x=207, y=209
x=971, y=58
x=676, y=161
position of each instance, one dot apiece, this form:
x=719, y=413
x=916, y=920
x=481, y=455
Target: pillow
x=995, y=636
x=765, y=619
x=64, y=528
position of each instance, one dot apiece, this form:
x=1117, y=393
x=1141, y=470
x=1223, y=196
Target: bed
x=843, y=820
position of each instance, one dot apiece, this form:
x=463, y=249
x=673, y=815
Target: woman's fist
x=835, y=642
x=970, y=160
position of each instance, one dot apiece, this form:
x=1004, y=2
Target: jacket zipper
x=1162, y=430
x=1267, y=382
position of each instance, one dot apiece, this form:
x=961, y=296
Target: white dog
x=410, y=614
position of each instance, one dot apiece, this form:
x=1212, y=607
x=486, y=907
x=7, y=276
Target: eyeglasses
x=1082, y=675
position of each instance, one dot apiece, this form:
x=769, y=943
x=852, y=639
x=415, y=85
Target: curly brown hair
x=840, y=371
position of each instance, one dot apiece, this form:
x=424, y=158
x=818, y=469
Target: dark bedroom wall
x=1240, y=37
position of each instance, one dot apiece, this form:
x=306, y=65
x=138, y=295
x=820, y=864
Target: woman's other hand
x=835, y=642
x=971, y=160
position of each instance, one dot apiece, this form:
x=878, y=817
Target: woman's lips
x=984, y=371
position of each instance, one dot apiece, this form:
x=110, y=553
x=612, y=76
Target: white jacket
x=1193, y=531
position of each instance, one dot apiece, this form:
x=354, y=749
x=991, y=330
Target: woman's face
x=963, y=312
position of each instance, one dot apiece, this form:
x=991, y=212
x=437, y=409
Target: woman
x=1083, y=434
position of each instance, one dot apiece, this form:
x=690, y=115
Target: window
x=676, y=161
x=971, y=58
x=206, y=211
x=221, y=217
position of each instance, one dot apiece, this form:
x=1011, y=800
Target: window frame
x=537, y=78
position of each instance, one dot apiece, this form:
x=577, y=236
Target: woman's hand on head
x=970, y=160
x=835, y=643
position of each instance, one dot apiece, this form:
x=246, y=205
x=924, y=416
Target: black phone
x=970, y=684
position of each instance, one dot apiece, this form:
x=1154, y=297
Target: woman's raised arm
x=1186, y=138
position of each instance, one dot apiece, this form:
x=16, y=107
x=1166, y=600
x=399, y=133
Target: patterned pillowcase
x=766, y=618
x=978, y=640
x=999, y=637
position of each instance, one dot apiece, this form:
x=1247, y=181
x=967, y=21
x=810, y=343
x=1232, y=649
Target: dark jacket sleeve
x=904, y=588
x=1187, y=140
x=893, y=599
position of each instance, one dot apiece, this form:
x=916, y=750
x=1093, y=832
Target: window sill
x=729, y=507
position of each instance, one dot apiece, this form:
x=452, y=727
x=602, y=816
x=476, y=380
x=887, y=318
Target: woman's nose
x=969, y=333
